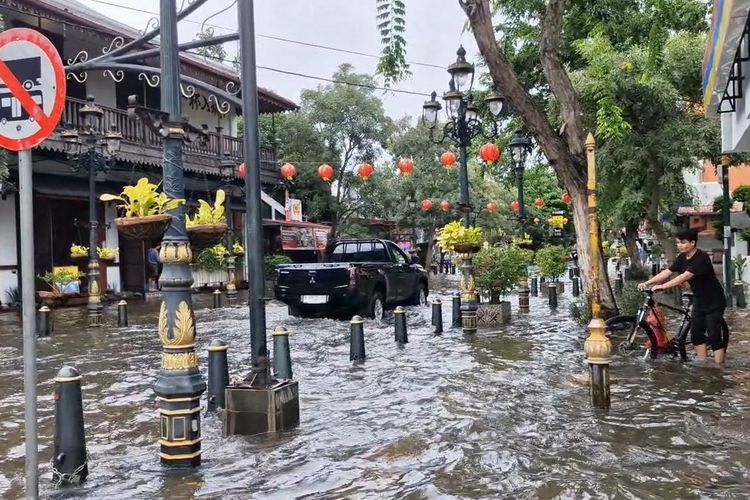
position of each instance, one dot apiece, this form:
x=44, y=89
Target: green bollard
x=44, y=327
x=282, y=358
x=69, y=462
x=437, y=316
x=218, y=374
x=217, y=298
x=122, y=313
x=402, y=336
x=456, y=319
x=357, y=339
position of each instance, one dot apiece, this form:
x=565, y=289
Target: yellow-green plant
x=78, y=250
x=107, y=252
x=237, y=248
x=208, y=214
x=454, y=233
x=58, y=279
x=143, y=199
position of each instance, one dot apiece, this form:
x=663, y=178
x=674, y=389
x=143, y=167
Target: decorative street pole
x=727, y=227
x=519, y=149
x=83, y=147
x=462, y=126
x=226, y=170
x=597, y=345
x=179, y=384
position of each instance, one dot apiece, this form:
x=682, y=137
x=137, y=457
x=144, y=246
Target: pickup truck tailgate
x=313, y=279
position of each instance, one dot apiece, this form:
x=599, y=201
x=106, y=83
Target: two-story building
x=61, y=195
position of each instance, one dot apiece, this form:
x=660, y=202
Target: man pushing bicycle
x=694, y=266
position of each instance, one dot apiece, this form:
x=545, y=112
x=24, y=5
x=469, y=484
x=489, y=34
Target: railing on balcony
x=136, y=132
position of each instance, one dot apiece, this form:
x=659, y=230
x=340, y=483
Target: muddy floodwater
x=496, y=415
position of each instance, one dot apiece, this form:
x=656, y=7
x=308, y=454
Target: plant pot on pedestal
x=467, y=248
x=494, y=314
x=206, y=235
x=148, y=228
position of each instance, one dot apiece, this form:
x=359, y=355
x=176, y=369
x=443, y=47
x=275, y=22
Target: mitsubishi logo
x=312, y=280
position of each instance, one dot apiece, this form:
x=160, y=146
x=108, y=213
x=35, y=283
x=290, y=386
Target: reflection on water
x=495, y=415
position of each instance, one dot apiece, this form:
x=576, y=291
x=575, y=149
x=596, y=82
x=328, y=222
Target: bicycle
x=638, y=324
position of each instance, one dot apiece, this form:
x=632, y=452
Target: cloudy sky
x=434, y=28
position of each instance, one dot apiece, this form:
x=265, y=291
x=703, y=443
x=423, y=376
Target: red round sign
x=32, y=88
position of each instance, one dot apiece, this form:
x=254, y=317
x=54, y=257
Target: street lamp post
x=93, y=151
x=519, y=150
x=226, y=170
x=462, y=126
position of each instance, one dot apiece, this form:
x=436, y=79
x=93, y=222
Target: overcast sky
x=434, y=29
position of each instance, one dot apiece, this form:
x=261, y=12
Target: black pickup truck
x=360, y=276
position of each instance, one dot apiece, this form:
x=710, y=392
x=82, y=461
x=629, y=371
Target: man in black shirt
x=694, y=266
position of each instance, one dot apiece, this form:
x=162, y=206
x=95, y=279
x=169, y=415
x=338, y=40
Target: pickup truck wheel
x=376, y=307
x=420, y=297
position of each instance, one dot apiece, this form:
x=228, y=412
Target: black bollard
x=654, y=269
x=618, y=283
x=739, y=294
x=218, y=374
x=122, y=313
x=217, y=298
x=437, y=316
x=552, y=295
x=357, y=339
x=69, y=462
x=576, y=287
x=402, y=336
x=577, y=272
x=523, y=300
x=282, y=358
x=456, y=317
x=571, y=273
x=535, y=286
x=44, y=324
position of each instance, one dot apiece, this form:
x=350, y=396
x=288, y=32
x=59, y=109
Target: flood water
x=496, y=415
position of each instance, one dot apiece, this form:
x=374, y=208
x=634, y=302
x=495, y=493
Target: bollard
x=437, y=316
x=69, y=462
x=654, y=269
x=122, y=313
x=401, y=335
x=535, y=286
x=217, y=298
x=456, y=318
x=577, y=272
x=44, y=327
x=598, y=347
x=218, y=374
x=618, y=283
x=571, y=273
x=282, y=358
x=357, y=339
x=576, y=287
x=523, y=300
x=552, y=295
x=739, y=294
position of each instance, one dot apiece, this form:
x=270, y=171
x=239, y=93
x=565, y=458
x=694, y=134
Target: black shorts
x=705, y=328
x=153, y=271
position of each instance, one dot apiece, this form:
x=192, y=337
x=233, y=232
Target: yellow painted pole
x=597, y=345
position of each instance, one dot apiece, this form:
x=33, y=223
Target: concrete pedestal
x=257, y=410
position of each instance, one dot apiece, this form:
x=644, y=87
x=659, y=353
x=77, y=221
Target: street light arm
x=447, y=131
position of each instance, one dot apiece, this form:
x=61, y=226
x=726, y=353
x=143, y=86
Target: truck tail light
x=353, y=271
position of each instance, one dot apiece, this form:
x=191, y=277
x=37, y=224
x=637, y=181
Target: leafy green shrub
x=745, y=234
x=552, y=261
x=742, y=193
x=271, y=261
x=498, y=270
x=211, y=259
x=630, y=299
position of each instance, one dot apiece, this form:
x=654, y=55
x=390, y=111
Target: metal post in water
x=739, y=294
x=401, y=335
x=552, y=295
x=282, y=358
x=45, y=323
x=535, y=286
x=523, y=299
x=571, y=273
x=619, y=283
x=597, y=345
x=456, y=313
x=69, y=462
x=122, y=313
x=218, y=373
x=28, y=307
x=726, y=222
x=357, y=339
x=576, y=287
x=217, y=298
x=437, y=316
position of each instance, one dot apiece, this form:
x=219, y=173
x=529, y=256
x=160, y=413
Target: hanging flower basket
x=467, y=248
x=149, y=227
x=206, y=235
x=107, y=259
x=78, y=257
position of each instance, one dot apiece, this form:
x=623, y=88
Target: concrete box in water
x=253, y=410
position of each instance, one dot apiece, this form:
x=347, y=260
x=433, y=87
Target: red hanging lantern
x=539, y=202
x=241, y=170
x=491, y=207
x=288, y=171
x=489, y=152
x=514, y=205
x=325, y=172
x=536, y=221
x=426, y=205
x=565, y=221
x=566, y=198
x=448, y=159
x=406, y=166
x=365, y=170
x=444, y=206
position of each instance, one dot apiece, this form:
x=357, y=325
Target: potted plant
x=498, y=271
x=552, y=263
x=78, y=251
x=237, y=249
x=144, y=210
x=57, y=281
x=208, y=224
x=207, y=261
x=454, y=237
x=107, y=253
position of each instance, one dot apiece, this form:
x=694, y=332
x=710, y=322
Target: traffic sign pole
x=25, y=189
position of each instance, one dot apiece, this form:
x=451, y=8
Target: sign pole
x=25, y=185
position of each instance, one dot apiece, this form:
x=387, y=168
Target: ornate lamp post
x=519, y=149
x=227, y=168
x=462, y=126
x=93, y=150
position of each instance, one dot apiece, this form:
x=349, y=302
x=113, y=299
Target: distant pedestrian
x=154, y=264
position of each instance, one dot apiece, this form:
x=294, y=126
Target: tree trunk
x=631, y=235
x=430, y=247
x=665, y=240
